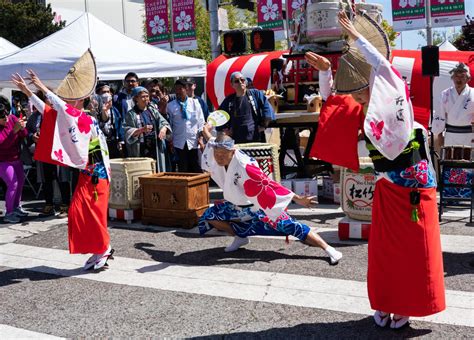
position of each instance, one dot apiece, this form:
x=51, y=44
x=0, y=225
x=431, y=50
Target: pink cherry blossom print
x=261, y=186
x=72, y=111
x=408, y=173
x=84, y=123
x=377, y=128
x=422, y=177
x=59, y=155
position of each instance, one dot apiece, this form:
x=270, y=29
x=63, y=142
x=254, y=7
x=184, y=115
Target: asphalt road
x=174, y=283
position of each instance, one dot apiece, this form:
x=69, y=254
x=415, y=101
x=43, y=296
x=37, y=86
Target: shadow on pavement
x=39, y=273
x=215, y=256
x=458, y=264
x=357, y=329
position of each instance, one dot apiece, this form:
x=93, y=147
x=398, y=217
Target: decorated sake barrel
x=125, y=184
x=357, y=190
x=322, y=23
x=374, y=11
x=266, y=155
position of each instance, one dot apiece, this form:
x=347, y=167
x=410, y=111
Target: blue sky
x=411, y=39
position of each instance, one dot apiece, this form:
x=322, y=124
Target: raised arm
x=371, y=54
x=325, y=74
x=56, y=102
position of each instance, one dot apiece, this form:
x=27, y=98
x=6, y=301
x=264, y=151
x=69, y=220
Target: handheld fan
x=218, y=118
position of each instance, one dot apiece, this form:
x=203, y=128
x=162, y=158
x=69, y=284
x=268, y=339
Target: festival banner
x=184, y=25
x=410, y=14
x=446, y=13
x=270, y=16
x=157, y=25
x=295, y=10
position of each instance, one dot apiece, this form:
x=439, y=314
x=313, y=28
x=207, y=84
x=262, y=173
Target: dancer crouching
x=254, y=204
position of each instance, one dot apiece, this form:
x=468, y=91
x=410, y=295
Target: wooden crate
x=174, y=199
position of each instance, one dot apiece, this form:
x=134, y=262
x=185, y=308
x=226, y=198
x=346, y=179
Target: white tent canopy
x=7, y=47
x=115, y=55
x=447, y=46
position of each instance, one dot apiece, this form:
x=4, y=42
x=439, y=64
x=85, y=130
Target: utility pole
x=214, y=23
x=429, y=33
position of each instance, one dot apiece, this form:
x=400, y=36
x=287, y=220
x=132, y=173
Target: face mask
x=106, y=97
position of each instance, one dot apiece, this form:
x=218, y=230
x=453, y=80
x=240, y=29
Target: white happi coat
x=244, y=183
x=456, y=110
x=389, y=119
x=73, y=132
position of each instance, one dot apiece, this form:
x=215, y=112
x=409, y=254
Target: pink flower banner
x=184, y=25
x=157, y=25
x=295, y=10
x=410, y=14
x=269, y=16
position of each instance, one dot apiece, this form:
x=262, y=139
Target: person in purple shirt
x=12, y=131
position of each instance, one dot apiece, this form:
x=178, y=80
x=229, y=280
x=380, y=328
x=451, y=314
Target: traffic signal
x=262, y=40
x=234, y=42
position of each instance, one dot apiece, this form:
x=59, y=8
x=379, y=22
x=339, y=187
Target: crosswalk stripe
x=9, y=332
x=290, y=289
x=458, y=244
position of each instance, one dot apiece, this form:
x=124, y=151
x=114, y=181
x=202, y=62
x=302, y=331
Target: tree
x=237, y=19
x=202, y=34
x=391, y=34
x=26, y=22
x=465, y=41
x=438, y=37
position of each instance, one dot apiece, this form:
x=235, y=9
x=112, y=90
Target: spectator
x=249, y=110
x=186, y=119
x=142, y=124
x=110, y=122
x=12, y=131
x=124, y=99
x=190, y=88
x=47, y=173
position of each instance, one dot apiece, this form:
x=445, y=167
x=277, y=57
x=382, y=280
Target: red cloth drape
x=87, y=217
x=44, y=146
x=340, y=119
x=405, y=271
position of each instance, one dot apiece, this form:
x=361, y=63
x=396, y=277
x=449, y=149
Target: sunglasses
x=239, y=80
x=131, y=80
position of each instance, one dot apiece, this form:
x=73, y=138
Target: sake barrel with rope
x=266, y=155
x=357, y=190
x=125, y=184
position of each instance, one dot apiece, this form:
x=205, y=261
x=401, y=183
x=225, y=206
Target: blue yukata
x=254, y=204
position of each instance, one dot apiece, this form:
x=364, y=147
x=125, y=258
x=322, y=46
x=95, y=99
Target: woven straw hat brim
x=353, y=72
x=81, y=79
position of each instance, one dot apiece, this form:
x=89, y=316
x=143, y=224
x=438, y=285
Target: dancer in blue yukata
x=254, y=204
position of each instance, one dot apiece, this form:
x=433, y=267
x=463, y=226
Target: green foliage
x=202, y=34
x=465, y=40
x=391, y=34
x=236, y=18
x=26, y=22
x=438, y=37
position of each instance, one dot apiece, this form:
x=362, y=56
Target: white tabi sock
x=236, y=244
x=334, y=255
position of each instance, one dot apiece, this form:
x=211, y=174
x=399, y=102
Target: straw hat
x=353, y=72
x=81, y=79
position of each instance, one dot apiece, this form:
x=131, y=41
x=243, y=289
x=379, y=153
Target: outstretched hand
x=318, y=62
x=35, y=81
x=19, y=82
x=306, y=201
x=347, y=26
